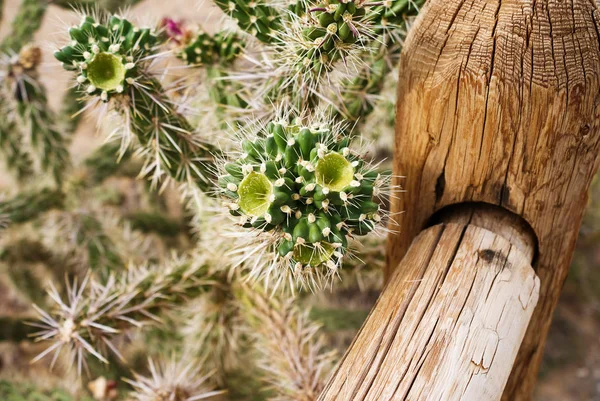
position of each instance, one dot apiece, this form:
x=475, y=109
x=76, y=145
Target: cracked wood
x=498, y=102
x=448, y=324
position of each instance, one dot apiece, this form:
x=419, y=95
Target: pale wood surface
x=447, y=326
x=498, y=102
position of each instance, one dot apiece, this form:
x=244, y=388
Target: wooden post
x=498, y=102
x=450, y=321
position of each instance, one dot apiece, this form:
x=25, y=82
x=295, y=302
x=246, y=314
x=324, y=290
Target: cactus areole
x=306, y=186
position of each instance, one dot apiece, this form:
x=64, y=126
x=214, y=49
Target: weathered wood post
x=497, y=134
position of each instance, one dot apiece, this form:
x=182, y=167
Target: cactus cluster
x=302, y=195
x=106, y=55
x=206, y=49
x=305, y=184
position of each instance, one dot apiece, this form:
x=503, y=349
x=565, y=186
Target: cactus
x=308, y=188
x=101, y=163
x=26, y=22
x=96, y=312
x=25, y=95
x=222, y=48
x=254, y=17
x=11, y=146
x=173, y=380
x=302, y=194
x=27, y=206
x=111, y=60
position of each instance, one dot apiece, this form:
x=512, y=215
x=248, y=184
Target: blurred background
x=571, y=367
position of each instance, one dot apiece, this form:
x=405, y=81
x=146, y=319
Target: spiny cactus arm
x=96, y=312
x=39, y=120
x=292, y=352
x=70, y=116
x=167, y=138
x=356, y=103
x=101, y=163
x=111, y=59
x=11, y=146
x=25, y=24
x=101, y=252
x=226, y=94
x=28, y=205
x=254, y=16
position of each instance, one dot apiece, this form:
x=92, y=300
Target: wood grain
x=498, y=102
x=448, y=324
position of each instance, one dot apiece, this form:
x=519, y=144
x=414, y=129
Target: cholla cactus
x=112, y=58
x=255, y=17
x=29, y=116
x=301, y=195
x=94, y=312
x=304, y=186
x=27, y=206
x=204, y=49
x=291, y=350
x=175, y=380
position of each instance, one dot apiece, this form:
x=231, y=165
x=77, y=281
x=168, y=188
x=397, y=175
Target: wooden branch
x=449, y=323
x=498, y=102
